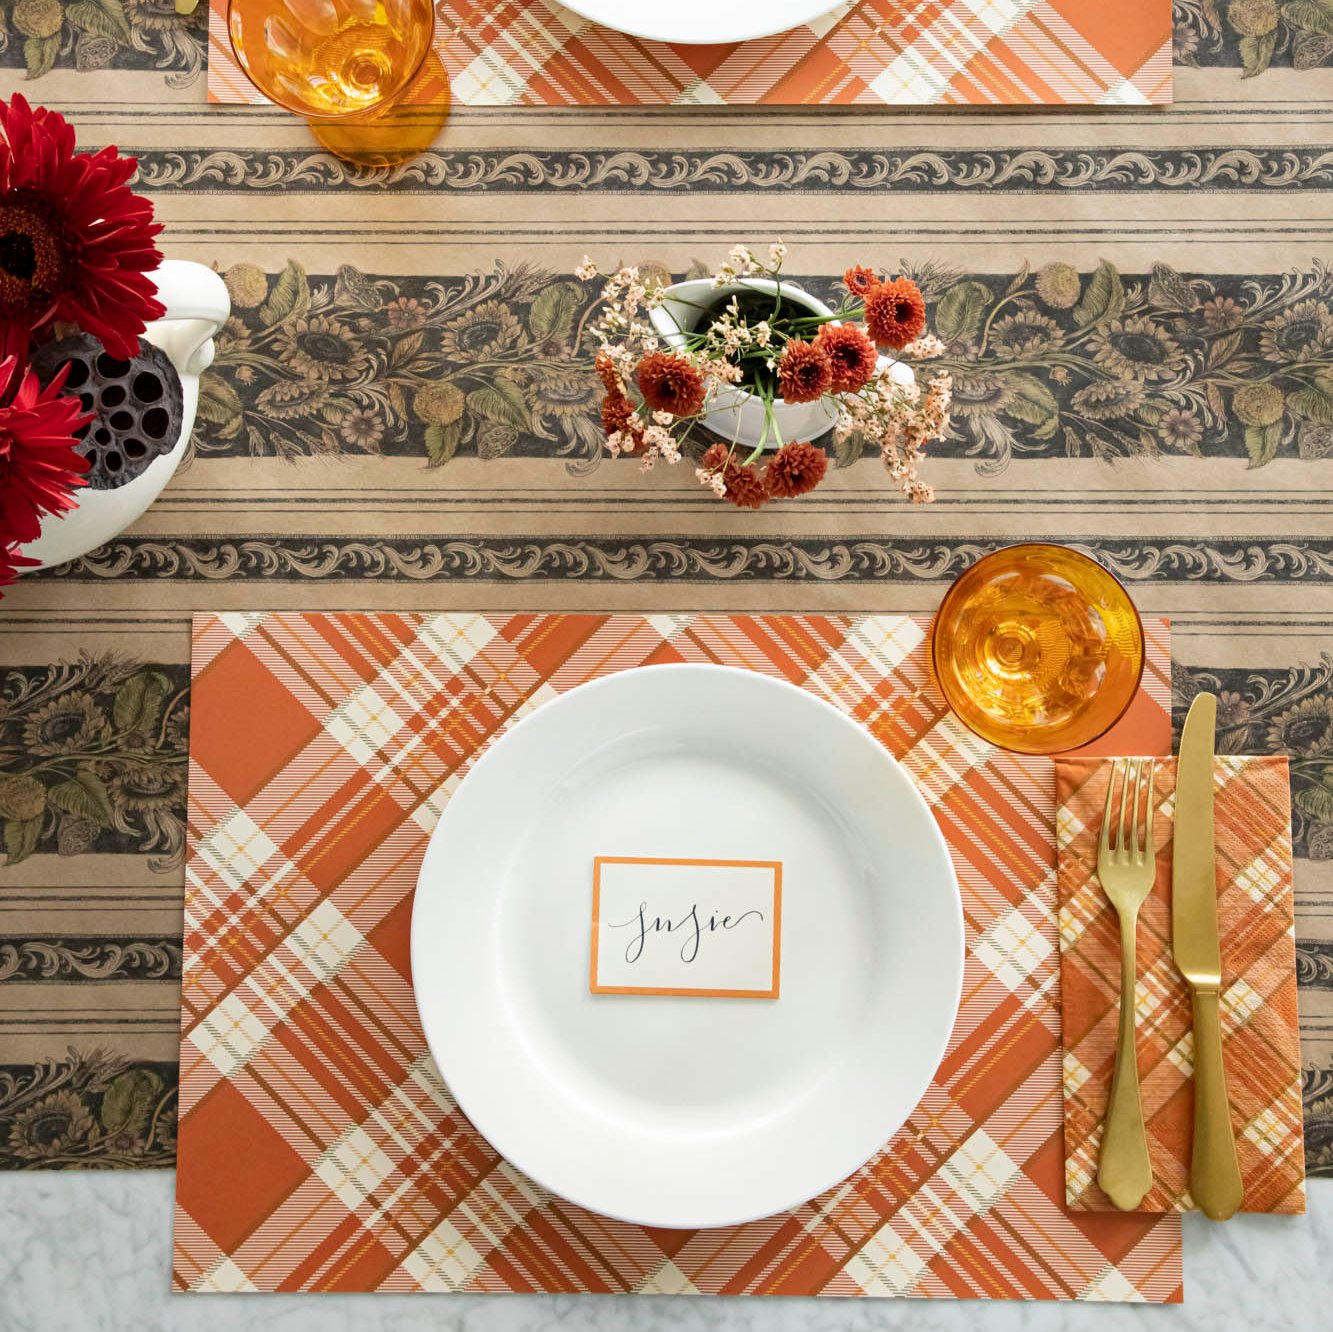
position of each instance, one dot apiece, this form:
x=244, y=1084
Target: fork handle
x=1215, y=1181
x=1124, y=1170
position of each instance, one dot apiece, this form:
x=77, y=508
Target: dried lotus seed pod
x=137, y=405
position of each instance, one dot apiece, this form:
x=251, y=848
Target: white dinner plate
x=687, y=1111
x=699, y=21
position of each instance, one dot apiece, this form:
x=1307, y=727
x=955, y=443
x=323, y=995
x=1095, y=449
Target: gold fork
x=1126, y=869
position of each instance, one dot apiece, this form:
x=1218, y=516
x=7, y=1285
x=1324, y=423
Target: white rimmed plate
x=701, y=21
x=687, y=1111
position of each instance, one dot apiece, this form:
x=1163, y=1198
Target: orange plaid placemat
x=1261, y=1033
x=319, y=1148
x=873, y=52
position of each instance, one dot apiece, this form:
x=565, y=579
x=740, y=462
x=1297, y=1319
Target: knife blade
x=1193, y=874
x=1215, y=1180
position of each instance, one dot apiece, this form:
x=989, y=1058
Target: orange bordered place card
x=686, y=927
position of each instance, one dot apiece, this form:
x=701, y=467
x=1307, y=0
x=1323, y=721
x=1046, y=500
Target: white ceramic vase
x=736, y=413
x=197, y=306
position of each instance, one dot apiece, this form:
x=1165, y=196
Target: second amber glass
x=1038, y=649
x=360, y=71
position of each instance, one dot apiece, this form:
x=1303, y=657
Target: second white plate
x=687, y=1111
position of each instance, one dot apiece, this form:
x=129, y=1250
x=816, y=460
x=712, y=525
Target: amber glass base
x=399, y=134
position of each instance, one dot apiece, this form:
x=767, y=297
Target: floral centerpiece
x=765, y=338
x=76, y=247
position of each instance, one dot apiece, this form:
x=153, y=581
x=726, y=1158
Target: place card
x=686, y=927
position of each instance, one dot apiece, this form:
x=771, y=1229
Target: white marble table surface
x=91, y=1253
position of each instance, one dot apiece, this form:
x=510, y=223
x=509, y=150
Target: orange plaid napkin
x=872, y=52
x=1261, y=1033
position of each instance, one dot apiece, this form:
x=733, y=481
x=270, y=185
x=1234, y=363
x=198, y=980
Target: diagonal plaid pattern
x=319, y=1148
x=868, y=53
x=1260, y=1027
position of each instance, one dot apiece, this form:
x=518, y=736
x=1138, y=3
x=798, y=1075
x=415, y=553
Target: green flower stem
x=162, y=1103
x=770, y=426
x=76, y=756
x=1081, y=363
x=763, y=434
x=1319, y=764
x=184, y=692
x=113, y=751
x=582, y=326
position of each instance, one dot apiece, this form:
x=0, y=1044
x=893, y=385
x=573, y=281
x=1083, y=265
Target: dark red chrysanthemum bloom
x=896, y=313
x=75, y=242
x=860, y=281
x=620, y=418
x=851, y=354
x=617, y=412
x=795, y=469
x=744, y=486
x=804, y=372
x=39, y=467
x=670, y=384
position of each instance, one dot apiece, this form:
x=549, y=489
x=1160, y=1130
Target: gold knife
x=1215, y=1180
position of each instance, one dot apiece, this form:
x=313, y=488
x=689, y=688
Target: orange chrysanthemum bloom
x=745, y=488
x=606, y=372
x=795, y=469
x=860, y=281
x=895, y=313
x=851, y=354
x=670, y=384
x=804, y=372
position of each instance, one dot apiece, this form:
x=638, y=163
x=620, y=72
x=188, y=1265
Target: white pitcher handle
x=197, y=307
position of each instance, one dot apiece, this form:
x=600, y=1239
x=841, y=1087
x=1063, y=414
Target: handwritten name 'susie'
x=694, y=925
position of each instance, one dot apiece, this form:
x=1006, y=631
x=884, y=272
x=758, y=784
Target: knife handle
x=1215, y=1180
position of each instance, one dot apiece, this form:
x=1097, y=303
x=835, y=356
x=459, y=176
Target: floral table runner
x=1137, y=309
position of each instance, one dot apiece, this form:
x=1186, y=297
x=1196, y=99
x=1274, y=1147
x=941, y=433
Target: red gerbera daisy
x=670, y=384
x=39, y=467
x=795, y=469
x=895, y=313
x=851, y=354
x=804, y=372
x=75, y=242
x=744, y=487
x=860, y=281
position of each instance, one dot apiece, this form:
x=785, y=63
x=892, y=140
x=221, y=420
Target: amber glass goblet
x=361, y=72
x=1038, y=649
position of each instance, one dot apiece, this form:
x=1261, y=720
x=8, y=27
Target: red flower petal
x=97, y=236
x=39, y=465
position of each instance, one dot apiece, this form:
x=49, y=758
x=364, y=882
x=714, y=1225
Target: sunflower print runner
x=401, y=416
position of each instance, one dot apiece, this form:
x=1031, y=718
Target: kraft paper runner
x=1261, y=1029
x=334, y=504
x=319, y=1148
